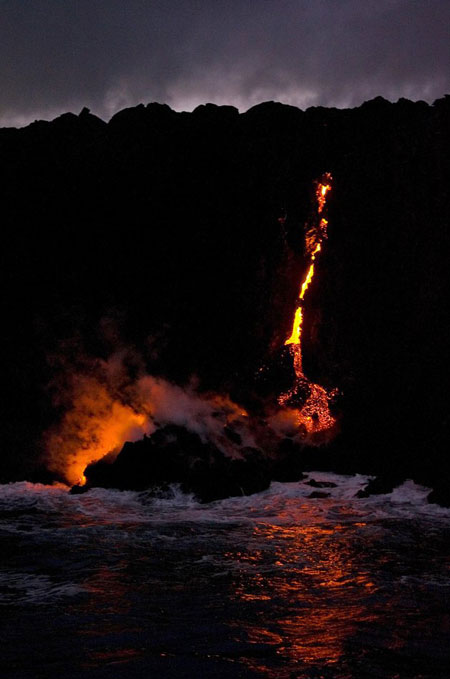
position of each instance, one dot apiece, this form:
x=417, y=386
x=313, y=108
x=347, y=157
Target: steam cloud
x=107, y=407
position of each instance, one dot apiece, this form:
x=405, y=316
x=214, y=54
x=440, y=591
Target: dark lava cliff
x=160, y=230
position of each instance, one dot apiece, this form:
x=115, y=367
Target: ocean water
x=279, y=584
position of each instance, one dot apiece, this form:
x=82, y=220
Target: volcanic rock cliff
x=181, y=234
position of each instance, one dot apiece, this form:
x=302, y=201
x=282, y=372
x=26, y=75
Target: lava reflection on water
x=314, y=592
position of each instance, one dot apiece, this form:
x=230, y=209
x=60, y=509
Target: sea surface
x=279, y=584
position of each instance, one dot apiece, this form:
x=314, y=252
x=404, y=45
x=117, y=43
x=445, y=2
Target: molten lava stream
x=314, y=416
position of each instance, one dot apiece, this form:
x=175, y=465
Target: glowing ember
x=321, y=192
x=314, y=415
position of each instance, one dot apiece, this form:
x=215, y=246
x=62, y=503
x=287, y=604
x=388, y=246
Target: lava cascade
x=313, y=416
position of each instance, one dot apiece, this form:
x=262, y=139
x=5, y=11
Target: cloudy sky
x=61, y=55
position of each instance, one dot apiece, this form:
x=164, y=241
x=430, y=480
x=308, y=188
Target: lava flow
x=314, y=414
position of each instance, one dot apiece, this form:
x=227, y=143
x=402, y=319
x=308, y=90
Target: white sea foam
x=28, y=588
x=281, y=503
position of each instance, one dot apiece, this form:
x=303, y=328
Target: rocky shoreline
x=174, y=455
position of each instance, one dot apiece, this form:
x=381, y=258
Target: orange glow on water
x=319, y=575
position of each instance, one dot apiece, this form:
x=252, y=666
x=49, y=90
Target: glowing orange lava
x=296, y=333
x=314, y=239
x=314, y=416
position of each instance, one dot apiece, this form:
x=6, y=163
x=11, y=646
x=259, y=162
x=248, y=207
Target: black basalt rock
x=165, y=457
x=228, y=477
x=288, y=465
x=380, y=485
x=175, y=455
x=440, y=495
x=79, y=490
x=320, y=484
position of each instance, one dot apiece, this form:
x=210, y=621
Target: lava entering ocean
x=105, y=406
x=313, y=415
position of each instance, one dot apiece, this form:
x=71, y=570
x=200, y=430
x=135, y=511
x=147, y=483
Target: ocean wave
x=318, y=498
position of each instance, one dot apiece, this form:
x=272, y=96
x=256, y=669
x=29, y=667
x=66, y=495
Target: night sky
x=60, y=55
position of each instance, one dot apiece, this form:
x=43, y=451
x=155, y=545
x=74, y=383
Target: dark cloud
x=58, y=55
